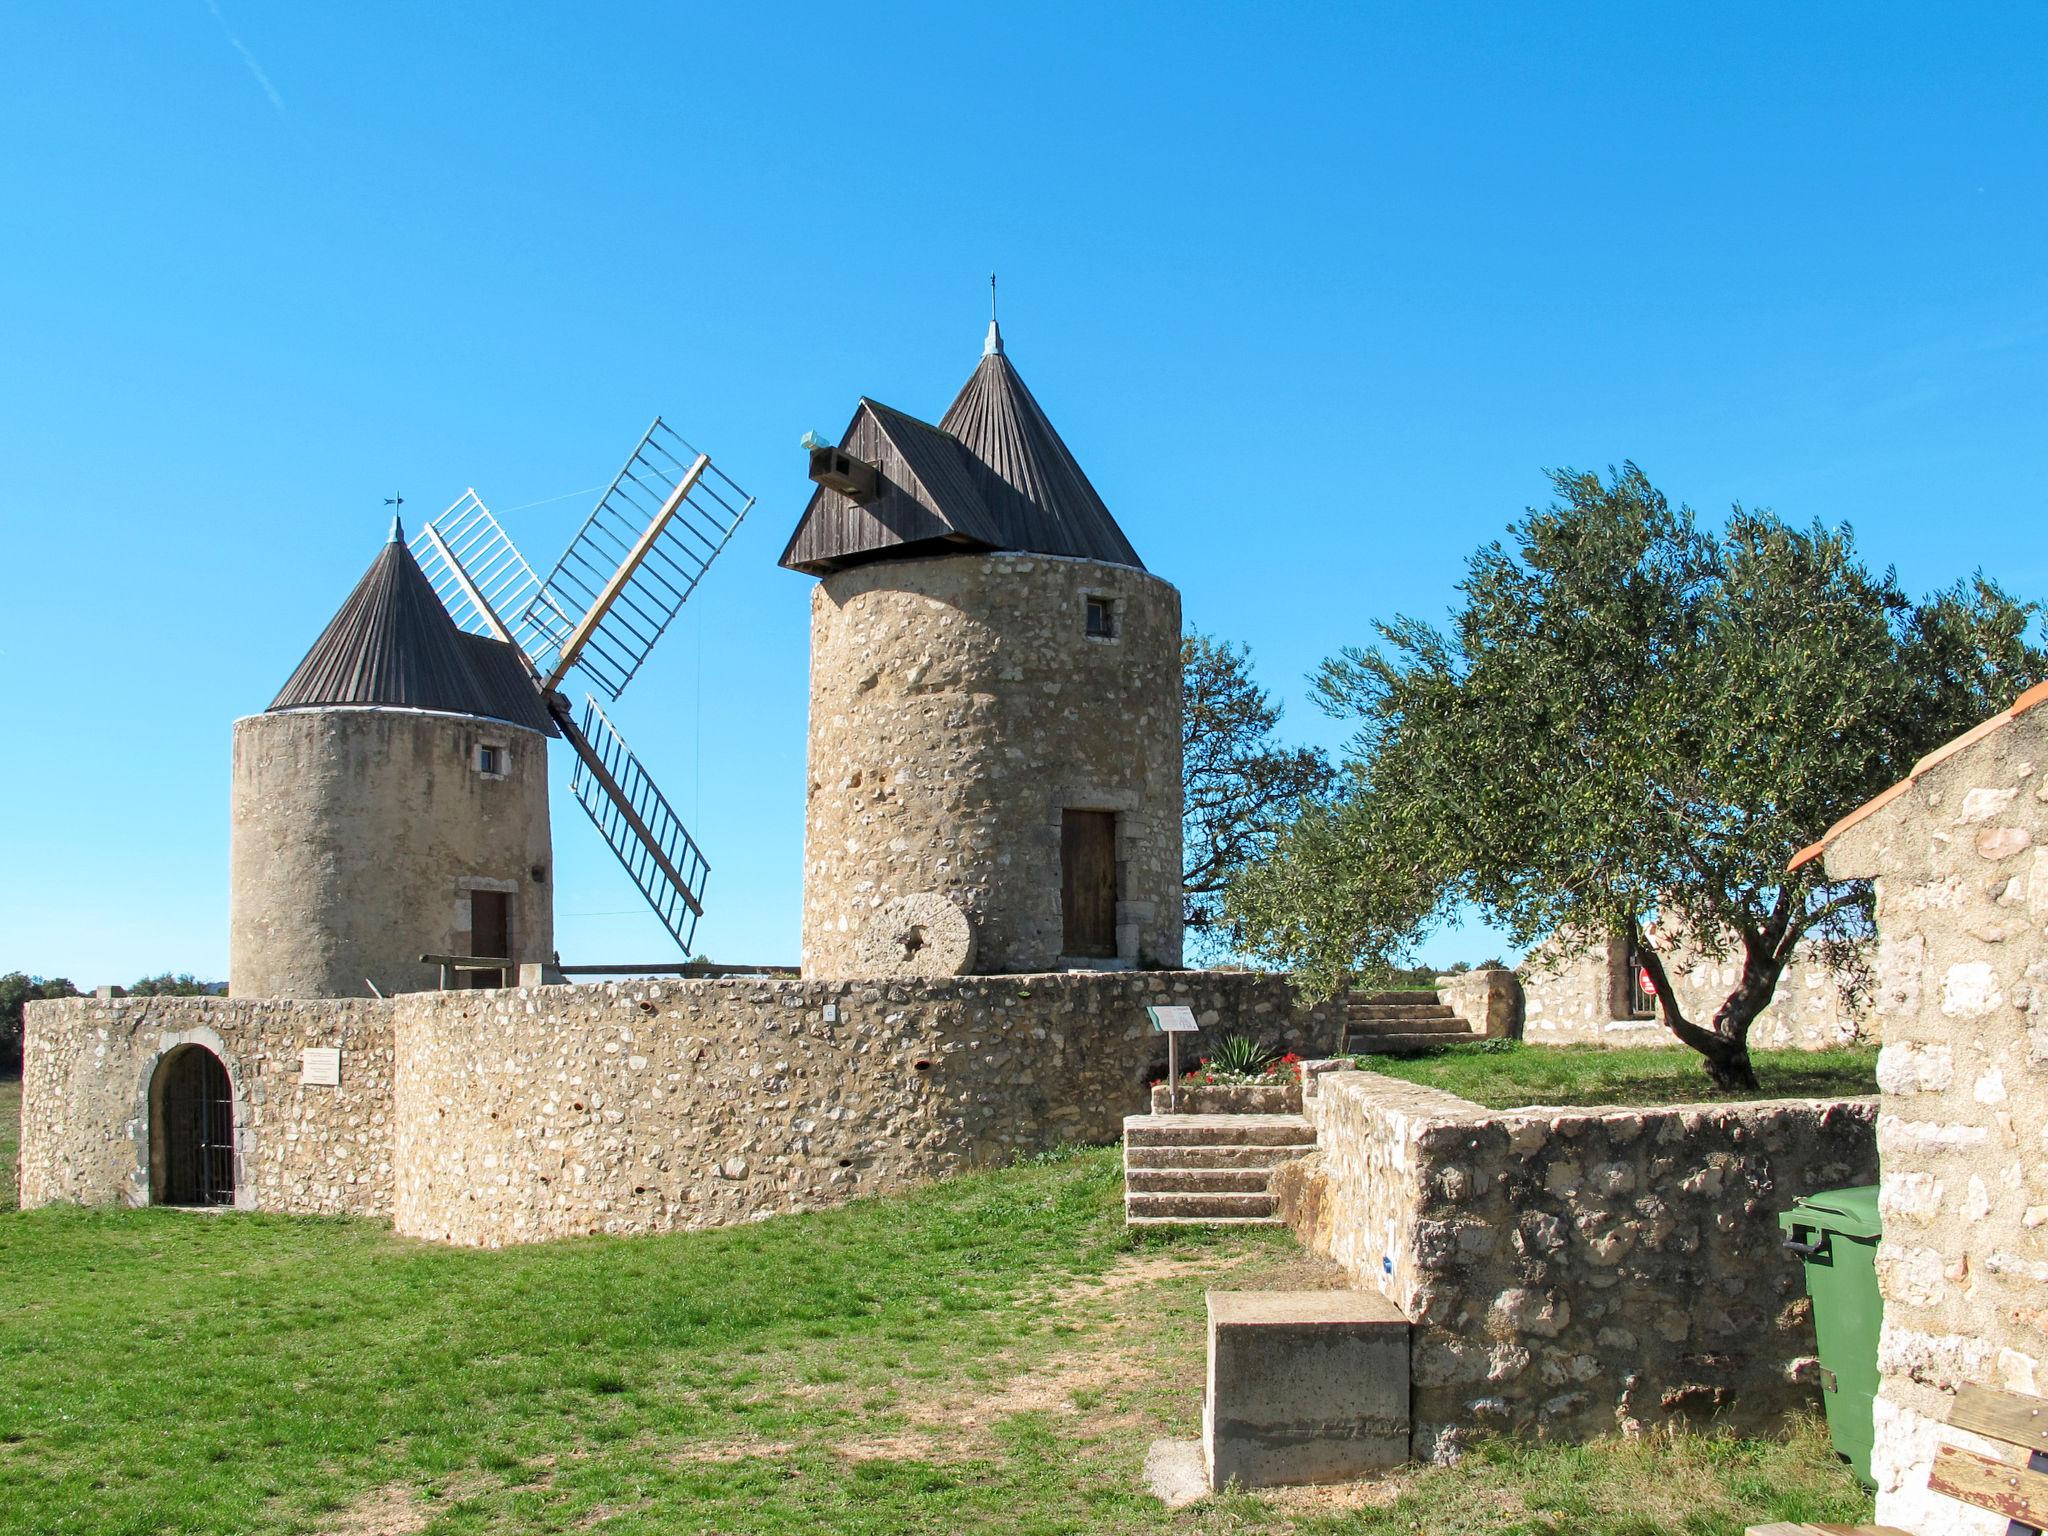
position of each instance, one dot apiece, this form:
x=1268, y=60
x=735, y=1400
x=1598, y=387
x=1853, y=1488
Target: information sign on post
x=1173, y=1021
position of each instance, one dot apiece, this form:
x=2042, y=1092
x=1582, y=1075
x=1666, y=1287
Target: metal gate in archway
x=194, y=1143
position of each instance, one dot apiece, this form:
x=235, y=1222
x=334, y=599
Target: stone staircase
x=1391, y=1022
x=1207, y=1170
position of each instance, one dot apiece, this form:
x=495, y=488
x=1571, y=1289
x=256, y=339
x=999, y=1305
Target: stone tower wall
x=357, y=836
x=958, y=706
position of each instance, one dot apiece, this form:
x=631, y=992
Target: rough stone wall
x=1572, y=996
x=659, y=1106
x=520, y=1114
x=1961, y=862
x=1490, y=1000
x=957, y=707
x=356, y=837
x=1574, y=1272
x=85, y=1099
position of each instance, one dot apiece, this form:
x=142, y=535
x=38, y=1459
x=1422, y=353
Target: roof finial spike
x=994, y=344
x=397, y=526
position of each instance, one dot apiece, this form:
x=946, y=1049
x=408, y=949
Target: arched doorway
x=191, y=1130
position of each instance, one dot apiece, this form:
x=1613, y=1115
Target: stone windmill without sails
x=392, y=801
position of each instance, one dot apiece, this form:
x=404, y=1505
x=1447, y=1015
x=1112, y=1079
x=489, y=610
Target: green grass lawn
x=1510, y=1074
x=993, y=1353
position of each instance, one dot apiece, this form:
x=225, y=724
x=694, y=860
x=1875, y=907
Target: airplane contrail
x=248, y=58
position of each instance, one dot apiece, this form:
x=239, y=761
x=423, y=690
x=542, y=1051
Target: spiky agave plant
x=1240, y=1057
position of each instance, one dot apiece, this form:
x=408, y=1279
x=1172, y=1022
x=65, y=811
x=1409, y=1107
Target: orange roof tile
x=2033, y=698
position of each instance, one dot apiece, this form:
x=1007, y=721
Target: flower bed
x=1271, y=1088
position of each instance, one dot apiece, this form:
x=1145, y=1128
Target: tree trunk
x=1723, y=1047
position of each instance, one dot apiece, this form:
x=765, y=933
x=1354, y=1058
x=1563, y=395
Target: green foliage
x=17, y=988
x=182, y=984
x=1241, y=785
x=1630, y=717
x=1507, y=1074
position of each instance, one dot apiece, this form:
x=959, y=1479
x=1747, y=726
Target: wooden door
x=1088, y=883
x=490, y=934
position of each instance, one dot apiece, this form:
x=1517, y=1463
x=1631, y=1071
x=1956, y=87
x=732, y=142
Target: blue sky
x=1314, y=293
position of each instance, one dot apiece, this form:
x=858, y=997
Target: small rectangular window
x=490, y=760
x=1102, y=618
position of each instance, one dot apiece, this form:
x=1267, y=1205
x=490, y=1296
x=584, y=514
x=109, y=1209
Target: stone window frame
x=503, y=749
x=142, y=1127
x=1112, y=605
x=1621, y=985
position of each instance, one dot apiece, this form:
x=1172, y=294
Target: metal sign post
x=1173, y=1022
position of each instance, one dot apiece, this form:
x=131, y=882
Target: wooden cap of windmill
x=994, y=474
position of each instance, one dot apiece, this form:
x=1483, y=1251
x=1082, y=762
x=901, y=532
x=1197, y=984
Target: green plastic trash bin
x=1835, y=1232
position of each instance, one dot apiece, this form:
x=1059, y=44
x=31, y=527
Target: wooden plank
x=2009, y=1416
x=2014, y=1492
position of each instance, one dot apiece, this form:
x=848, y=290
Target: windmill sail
x=482, y=579
x=638, y=823
x=633, y=564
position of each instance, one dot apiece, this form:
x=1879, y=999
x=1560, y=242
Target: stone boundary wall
x=530, y=1113
x=1490, y=1001
x=1571, y=997
x=88, y=1063
x=660, y=1106
x=1573, y=1272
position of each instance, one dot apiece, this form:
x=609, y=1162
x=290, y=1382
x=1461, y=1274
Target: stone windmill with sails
x=390, y=826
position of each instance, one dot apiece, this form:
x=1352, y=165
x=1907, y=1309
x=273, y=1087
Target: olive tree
x=1241, y=783
x=1632, y=717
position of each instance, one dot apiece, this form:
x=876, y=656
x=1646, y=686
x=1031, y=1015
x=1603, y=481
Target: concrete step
x=1201, y=1206
x=1196, y=1181
x=1389, y=1045
x=1200, y=1221
x=1217, y=1131
x=1212, y=1158
x=1410, y=1027
x=1404, y=999
x=1387, y=1011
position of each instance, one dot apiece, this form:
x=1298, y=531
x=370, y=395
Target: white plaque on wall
x=320, y=1066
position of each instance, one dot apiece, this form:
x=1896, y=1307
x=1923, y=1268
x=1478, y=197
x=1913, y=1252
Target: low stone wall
x=87, y=1069
x=1574, y=994
x=1574, y=1272
x=531, y=1113
x=644, y=1107
x=1489, y=1000
x=1274, y=1098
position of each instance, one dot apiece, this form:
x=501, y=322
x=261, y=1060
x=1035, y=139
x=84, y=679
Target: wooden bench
x=2015, y=1487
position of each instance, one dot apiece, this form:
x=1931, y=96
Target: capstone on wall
x=1961, y=863
x=85, y=1102
x=1570, y=1273
x=357, y=836
x=958, y=706
x=521, y=1114
x=1576, y=993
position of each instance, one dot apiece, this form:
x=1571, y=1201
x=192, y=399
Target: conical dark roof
x=1030, y=482
x=993, y=474
x=393, y=644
